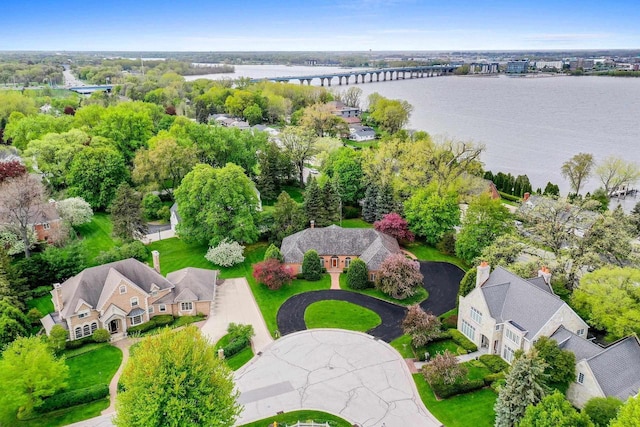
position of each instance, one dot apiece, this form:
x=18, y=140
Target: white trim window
x=476, y=316
x=83, y=314
x=322, y=262
x=580, y=332
x=46, y=226
x=134, y=302
x=136, y=320
x=372, y=277
x=123, y=289
x=86, y=330
x=512, y=336
x=162, y=308
x=468, y=330
x=150, y=309
x=347, y=262
x=186, y=306
x=580, y=379
x=78, y=332
x=508, y=353
x=94, y=326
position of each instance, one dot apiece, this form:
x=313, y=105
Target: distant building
x=585, y=64
x=483, y=68
x=341, y=109
x=517, y=67
x=541, y=65
x=361, y=133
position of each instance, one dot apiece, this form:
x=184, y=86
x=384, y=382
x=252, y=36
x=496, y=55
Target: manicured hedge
x=447, y=390
x=494, y=362
x=235, y=346
x=509, y=197
x=73, y=398
x=155, y=322
x=491, y=378
x=70, y=345
x=462, y=341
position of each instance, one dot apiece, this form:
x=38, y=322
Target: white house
x=361, y=133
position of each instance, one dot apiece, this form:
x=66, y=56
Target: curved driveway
x=345, y=373
x=442, y=281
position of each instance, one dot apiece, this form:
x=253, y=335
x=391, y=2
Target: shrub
x=273, y=253
x=70, y=345
x=444, y=369
x=34, y=315
x=58, y=338
x=447, y=244
x=226, y=254
x=399, y=276
x=272, y=273
x=350, y=212
x=422, y=327
x=74, y=397
x=235, y=346
x=450, y=322
x=236, y=331
x=101, y=335
x=601, y=410
x=358, y=275
x=311, y=267
x=463, y=341
x=155, y=322
x=494, y=362
x=164, y=213
x=491, y=378
x=135, y=249
x=468, y=282
x=447, y=390
x=497, y=385
x=40, y=291
x=151, y=204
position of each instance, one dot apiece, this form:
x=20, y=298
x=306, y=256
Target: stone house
x=506, y=313
x=339, y=246
x=127, y=293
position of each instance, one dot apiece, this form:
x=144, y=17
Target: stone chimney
x=57, y=292
x=484, y=270
x=546, y=274
x=156, y=261
x=526, y=197
x=313, y=224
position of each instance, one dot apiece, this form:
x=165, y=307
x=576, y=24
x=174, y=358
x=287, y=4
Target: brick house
x=506, y=313
x=45, y=221
x=339, y=246
x=127, y=293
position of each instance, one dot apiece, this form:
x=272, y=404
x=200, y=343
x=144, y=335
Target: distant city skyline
x=327, y=25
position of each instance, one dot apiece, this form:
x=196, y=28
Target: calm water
x=529, y=125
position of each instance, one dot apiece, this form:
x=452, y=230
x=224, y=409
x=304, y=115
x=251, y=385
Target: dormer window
x=123, y=289
x=134, y=302
x=83, y=314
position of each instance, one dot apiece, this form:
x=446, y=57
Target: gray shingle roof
x=582, y=348
x=541, y=283
x=368, y=244
x=193, y=284
x=512, y=298
x=617, y=368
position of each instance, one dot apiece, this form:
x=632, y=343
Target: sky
x=321, y=25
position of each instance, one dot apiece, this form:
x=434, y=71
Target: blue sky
x=213, y=25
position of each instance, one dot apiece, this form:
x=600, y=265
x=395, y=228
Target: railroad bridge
x=370, y=75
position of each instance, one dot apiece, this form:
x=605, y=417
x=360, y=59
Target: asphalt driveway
x=442, y=281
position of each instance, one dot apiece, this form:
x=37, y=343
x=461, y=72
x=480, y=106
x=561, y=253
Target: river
x=529, y=125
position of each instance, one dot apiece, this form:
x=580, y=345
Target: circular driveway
x=345, y=373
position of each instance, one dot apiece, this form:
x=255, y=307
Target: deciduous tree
x=431, y=215
x=601, y=410
x=561, y=364
x=75, y=210
x=395, y=226
x=554, y=411
x=615, y=173
x=444, y=368
x=390, y=114
x=189, y=384
x=226, y=254
x=11, y=169
x=629, y=415
x=288, y=218
x=399, y=276
x=578, y=170
x=272, y=273
x=300, y=146
x=319, y=119
x=423, y=327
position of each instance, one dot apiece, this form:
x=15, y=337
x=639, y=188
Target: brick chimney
x=313, y=224
x=545, y=273
x=57, y=296
x=526, y=197
x=156, y=261
x=484, y=270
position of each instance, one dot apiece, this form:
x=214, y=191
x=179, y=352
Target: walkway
x=345, y=373
x=335, y=279
x=291, y=314
x=235, y=304
x=123, y=345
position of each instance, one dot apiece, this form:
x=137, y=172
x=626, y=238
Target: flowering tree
x=75, y=210
x=444, y=368
x=395, y=226
x=399, y=276
x=226, y=254
x=420, y=325
x=272, y=273
x=11, y=169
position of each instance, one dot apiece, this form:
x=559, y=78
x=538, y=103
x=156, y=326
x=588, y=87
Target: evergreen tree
x=369, y=206
x=275, y=169
x=384, y=202
x=273, y=253
x=524, y=386
x=358, y=275
x=127, y=213
x=551, y=190
x=288, y=218
x=331, y=205
x=311, y=267
x=313, y=205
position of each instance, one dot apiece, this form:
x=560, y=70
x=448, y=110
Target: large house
x=339, y=246
x=127, y=293
x=45, y=221
x=506, y=313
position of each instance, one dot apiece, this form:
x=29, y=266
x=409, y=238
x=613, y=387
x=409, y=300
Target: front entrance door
x=114, y=326
x=334, y=262
x=484, y=343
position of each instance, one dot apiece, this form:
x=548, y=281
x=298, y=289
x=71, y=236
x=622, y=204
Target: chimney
x=546, y=274
x=313, y=224
x=57, y=292
x=484, y=269
x=156, y=261
x=526, y=197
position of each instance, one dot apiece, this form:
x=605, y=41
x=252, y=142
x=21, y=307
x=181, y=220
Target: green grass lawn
x=441, y=346
x=238, y=360
x=403, y=345
x=294, y=191
x=341, y=315
x=94, y=367
x=425, y=252
x=63, y=417
x=175, y=254
x=420, y=295
x=476, y=370
x=97, y=235
x=295, y=416
x=44, y=304
x=464, y=410
x=355, y=223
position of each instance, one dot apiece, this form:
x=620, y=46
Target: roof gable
x=617, y=368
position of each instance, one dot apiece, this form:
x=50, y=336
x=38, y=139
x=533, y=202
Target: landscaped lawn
x=403, y=345
x=295, y=416
x=425, y=252
x=63, y=417
x=94, y=367
x=420, y=295
x=473, y=409
x=441, y=346
x=175, y=254
x=476, y=370
x=341, y=315
x=355, y=223
x=238, y=360
x=97, y=235
x=44, y=304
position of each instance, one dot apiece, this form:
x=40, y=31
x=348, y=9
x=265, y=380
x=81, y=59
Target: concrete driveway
x=350, y=374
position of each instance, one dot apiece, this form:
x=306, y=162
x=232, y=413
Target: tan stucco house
x=506, y=313
x=339, y=246
x=126, y=293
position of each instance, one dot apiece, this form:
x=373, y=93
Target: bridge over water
x=377, y=75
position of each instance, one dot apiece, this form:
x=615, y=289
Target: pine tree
x=313, y=205
x=331, y=205
x=370, y=202
x=524, y=386
x=127, y=214
x=384, y=202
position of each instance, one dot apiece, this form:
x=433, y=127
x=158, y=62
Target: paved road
x=442, y=281
x=341, y=372
x=291, y=314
